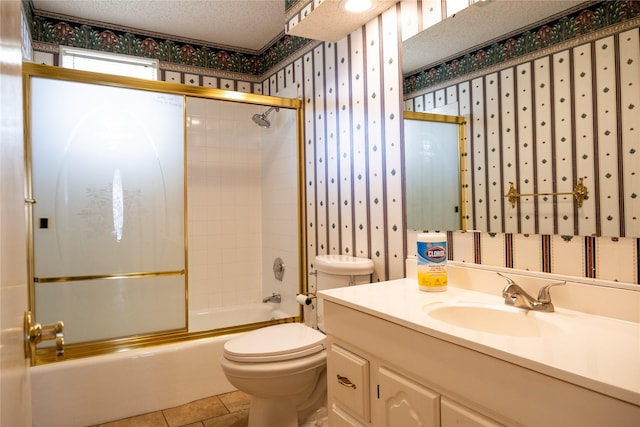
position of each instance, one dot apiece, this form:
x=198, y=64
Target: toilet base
x=265, y=412
x=272, y=412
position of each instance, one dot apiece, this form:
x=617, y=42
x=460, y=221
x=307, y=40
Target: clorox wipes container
x=432, y=262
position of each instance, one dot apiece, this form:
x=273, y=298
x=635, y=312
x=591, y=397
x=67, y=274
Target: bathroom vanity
x=398, y=356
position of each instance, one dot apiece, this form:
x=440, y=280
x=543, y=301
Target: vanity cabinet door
x=338, y=417
x=348, y=382
x=456, y=415
x=403, y=402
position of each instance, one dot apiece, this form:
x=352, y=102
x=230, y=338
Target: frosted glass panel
x=110, y=308
x=108, y=178
x=432, y=175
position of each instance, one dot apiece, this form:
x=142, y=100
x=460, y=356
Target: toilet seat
x=275, y=343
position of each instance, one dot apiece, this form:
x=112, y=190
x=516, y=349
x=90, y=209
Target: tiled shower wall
x=219, y=152
x=242, y=197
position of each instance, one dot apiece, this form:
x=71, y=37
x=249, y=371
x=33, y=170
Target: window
x=108, y=63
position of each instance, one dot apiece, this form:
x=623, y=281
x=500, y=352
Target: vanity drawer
x=348, y=381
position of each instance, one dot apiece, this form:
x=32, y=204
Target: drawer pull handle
x=345, y=382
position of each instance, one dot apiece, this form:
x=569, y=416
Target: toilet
x=283, y=367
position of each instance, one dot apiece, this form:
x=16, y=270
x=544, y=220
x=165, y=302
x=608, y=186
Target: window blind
x=109, y=63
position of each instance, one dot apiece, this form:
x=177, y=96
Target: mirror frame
x=443, y=118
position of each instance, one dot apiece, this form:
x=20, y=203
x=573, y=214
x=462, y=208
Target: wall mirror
x=433, y=182
x=555, y=122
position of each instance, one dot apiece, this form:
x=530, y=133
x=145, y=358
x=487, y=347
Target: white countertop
x=595, y=352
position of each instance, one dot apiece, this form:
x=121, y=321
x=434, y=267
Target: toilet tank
x=337, y=271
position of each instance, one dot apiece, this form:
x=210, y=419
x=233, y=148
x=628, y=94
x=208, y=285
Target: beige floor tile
x=235, y=419
x=202, y=409
x=235, y=401
x=153, y=419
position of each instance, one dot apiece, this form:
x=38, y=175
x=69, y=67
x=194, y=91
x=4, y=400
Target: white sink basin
x=492, y=319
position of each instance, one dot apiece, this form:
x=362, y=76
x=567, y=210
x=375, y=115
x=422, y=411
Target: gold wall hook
x=580, y=192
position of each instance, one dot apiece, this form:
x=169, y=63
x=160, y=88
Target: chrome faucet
x=273, y=298
x=516, y=296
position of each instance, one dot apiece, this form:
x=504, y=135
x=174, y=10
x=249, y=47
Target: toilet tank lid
x=344, y=265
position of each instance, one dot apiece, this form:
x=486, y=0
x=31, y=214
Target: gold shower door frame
x=114, y=344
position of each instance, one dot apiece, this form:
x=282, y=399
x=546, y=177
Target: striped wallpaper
x=352, y=91
x=354, y=193
x=353, y=149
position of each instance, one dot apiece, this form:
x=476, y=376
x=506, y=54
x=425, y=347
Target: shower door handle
x=35, y=333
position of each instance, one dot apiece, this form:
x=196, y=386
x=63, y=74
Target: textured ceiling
x=329, y=21
x=251, y=26
x=476, y=26
x=244, y=25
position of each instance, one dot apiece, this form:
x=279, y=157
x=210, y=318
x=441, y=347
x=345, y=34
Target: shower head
x=261, y=119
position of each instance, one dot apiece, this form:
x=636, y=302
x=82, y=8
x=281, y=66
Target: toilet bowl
x=283, y=367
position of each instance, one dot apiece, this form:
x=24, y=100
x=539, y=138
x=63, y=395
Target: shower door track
x=107, y=276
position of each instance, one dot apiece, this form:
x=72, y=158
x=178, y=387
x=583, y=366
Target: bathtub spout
x=273, y=298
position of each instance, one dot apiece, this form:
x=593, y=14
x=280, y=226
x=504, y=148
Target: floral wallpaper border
x=588, y=20
x=53, y=30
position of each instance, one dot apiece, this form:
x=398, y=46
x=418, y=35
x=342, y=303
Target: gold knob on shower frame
x=36, y=333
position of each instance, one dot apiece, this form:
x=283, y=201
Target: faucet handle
x=544, y=295
x=512, y=291
x=508, y=279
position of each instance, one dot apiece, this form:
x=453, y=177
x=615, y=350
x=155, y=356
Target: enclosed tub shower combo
x=158, y=213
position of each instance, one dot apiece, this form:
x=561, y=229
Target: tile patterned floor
x=225, y=410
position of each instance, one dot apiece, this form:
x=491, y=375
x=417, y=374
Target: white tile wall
x=242, y=204
x=224, y=209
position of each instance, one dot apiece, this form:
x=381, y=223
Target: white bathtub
x=104, y=388
x=98, y=389
x=222, y=317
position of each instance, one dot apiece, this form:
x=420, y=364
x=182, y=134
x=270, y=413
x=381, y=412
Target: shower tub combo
x=109, y=246
x=120, y=385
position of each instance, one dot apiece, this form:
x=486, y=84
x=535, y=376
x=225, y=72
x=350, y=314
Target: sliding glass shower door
x=107, y=193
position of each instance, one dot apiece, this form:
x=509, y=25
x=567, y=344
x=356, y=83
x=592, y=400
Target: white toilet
x=283, y=367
